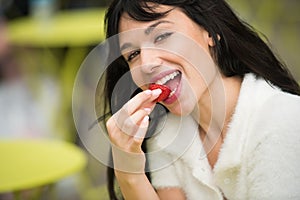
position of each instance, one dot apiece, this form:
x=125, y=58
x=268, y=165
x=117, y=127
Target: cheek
x=193, y=89
x=137, y=76
x=187, y=100
x=202, y=77
x=192, y=92
x=195, y=83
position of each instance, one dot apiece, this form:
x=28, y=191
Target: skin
x=198, y=92
x=151, y=62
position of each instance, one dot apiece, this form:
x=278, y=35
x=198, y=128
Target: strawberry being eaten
x=165, y=91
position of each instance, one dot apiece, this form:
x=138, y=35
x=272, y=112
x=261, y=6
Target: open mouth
x=172, y=81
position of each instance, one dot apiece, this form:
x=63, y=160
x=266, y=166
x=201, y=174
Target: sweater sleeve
x=273, y=159
x=164, y=176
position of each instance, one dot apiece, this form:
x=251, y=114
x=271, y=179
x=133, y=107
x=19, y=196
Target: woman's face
x=173, y=51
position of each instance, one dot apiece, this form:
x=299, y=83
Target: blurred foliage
x=279, y=21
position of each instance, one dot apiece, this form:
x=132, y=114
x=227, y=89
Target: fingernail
x=156, y=92
x=146, y=118
x=148, y=110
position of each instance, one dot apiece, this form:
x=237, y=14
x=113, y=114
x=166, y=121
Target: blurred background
x=44, y=42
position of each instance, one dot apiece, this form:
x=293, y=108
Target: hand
x=127, y=129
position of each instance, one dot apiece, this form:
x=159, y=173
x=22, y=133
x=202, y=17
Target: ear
x=210, y=40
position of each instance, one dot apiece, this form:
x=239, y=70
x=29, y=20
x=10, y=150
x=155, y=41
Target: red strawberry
x=165, y=91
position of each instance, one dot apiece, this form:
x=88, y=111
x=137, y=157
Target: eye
x=132, y=55
x=162, y=37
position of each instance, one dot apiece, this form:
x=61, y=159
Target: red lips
x=165, y=91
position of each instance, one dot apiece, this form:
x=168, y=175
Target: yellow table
x=78, y=27
x=27, y=164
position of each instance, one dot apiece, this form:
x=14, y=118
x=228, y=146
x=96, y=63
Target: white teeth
x=173, y=92
x=167, y=78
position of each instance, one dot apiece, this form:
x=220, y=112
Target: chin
x=182, y=109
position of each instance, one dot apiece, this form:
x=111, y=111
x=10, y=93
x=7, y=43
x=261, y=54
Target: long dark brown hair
x=239, y=50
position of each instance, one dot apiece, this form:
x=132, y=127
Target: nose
x=150, y=60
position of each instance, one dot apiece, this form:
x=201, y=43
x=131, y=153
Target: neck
x=216, y=107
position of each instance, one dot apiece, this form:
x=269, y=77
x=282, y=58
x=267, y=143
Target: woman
x=244, y=112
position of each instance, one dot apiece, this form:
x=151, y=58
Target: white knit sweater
x=259, y=159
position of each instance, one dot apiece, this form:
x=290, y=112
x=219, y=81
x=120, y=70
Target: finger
x=114, y=132
x=141, y=132
x=143, y=98
x=132, y=123
x=117, y=137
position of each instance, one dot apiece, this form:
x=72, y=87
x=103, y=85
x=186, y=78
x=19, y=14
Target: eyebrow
x=153, y=26
x=147, y=32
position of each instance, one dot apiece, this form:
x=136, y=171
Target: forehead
x=126, y=22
